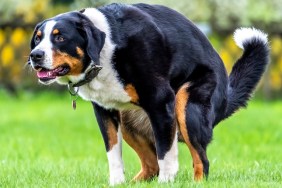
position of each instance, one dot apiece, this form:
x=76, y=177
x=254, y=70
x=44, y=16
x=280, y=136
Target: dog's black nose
x=37, y=56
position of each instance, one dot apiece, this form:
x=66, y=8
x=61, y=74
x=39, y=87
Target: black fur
x=157, y=51
x=39, y=25
x=103, y=118
x=246, y=73
x=78, y=31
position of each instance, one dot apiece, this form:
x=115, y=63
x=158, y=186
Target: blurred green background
x=44, y=143
x=217, y=18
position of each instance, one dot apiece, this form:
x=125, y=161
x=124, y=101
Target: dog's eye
x=36, y=39
x=59, y=38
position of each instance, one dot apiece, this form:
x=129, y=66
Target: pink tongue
x=46, y=74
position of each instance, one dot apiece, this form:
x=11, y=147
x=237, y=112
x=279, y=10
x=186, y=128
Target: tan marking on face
x=131, y=91
x=75, y=64
x=56, y=31
x=79, y=52
x=182, y=97
x=112, y=134
x=148, y=157
x=39, y=33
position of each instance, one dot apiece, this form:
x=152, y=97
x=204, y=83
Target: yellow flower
x=279, y=63
x=18, y=37
x=227, y=59
x=276, y=46
x=275, y=79
x=7, y=55
x=2, y=37
x=231, y=46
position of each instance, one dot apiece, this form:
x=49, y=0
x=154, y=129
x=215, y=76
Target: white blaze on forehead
x=46, y=44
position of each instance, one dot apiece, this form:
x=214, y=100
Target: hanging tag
x=74, y=104
x=74, y=98
x=73, y=94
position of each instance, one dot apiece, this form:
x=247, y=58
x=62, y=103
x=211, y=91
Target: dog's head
x=63, y=47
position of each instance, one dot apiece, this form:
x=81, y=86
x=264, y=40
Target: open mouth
x=45, y=75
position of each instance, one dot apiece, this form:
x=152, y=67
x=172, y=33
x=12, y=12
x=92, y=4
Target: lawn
x=45, y=143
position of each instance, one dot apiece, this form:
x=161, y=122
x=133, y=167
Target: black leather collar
x=90, y=73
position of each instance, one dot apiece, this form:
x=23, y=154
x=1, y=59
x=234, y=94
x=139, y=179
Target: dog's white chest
x=107, y=92
x=106, y=89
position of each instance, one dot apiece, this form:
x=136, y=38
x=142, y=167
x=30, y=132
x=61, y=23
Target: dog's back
x=154, y=59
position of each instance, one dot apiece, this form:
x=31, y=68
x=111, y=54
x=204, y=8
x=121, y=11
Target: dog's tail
x=248, y=70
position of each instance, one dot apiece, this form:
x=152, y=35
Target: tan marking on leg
x=60, y=58
x=148, y=157
x=112, y=134
x=131, y=91
x=180, y=108
x=55, y=31
x=182, y=97
x=39, y=33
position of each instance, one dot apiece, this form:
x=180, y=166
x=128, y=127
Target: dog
x=153, y=79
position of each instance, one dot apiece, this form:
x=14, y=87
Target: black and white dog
x=152, y=77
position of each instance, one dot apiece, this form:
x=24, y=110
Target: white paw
x=117, y=178
x=165, y=178
x=169, y=165
x=167, y=171
x=116, y=163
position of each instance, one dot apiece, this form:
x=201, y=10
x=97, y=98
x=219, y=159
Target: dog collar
x=90, y=73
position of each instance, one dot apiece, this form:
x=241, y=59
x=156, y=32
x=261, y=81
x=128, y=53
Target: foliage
x=48, y=144
x=87, y=3
x=13, y=55
x=32, y=11
x=226, y=15
x=271, y=83
x=18, y=19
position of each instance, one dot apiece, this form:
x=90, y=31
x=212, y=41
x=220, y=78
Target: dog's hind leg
x=159, y=102
x=137, y=132
x=184, y=117
x=143, y=146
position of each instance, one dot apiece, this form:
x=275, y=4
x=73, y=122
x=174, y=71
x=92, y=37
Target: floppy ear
x=32, y=43
x=95, y=42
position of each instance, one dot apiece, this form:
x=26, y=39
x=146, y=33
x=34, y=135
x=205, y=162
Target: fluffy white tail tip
x=243, y=35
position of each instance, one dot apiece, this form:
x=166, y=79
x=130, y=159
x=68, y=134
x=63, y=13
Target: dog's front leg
x=109, y=121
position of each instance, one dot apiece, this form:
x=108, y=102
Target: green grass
x=44, y=143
